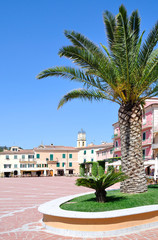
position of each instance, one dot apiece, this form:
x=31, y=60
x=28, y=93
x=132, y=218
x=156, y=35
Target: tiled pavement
x=20, y=198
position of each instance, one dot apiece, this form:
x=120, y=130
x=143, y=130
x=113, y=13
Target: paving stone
x=19, y=201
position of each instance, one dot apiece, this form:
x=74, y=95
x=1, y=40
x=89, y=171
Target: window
x=144, y=136
x=116, y=144
x=111, y=150
x=82, y=144
x=46, y=165
x=30, y=165
x=63, y=156
x=15, y=165
x=51, y=157
x=43, y=165
x=91, y=159
x=47, y=159
x=15, y=156
x=92, y=151
x=23, y=165
x=23, y=156
x=70, y=164
x=32, y=156
x=143, y=153
x=84, y=161
x=38, y=165
x=70, y=155
x=116, y=155
x=14, y=149
x=7, y=156
x=70, y=171
x=84, y=152
x=63, y=164
x=7, y=165
x=38, y=155
x=58, y=164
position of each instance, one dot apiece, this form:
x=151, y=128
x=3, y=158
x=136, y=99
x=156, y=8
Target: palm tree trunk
x=100, y=195
x=130, y=121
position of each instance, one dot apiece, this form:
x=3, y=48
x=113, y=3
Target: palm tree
x=100, y=183
x=126, y=74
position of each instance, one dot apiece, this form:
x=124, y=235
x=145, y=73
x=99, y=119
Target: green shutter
x=91, y=159
x=63, y=155
x=92, y=151
x=23, y=156
x=38, y=155
x=84, y=160
x=84, y=152
x=63, y=164
x=15, y=156
x=70, y=164
x=70, y=155
x=58, y=165
x=43, y=165
x=51, y=157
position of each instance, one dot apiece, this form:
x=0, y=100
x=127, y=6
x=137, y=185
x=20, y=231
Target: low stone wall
x=96, y=224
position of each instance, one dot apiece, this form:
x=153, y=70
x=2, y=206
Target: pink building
x=105, y=153
x=149, y=131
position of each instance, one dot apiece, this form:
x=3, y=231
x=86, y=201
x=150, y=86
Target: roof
x=55, y=148
x=81, y=131
x=20, y=151
x=105, y=145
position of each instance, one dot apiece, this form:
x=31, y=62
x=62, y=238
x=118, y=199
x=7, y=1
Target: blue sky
x=31, y=35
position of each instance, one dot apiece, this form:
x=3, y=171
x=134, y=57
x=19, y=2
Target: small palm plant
x=100, y=183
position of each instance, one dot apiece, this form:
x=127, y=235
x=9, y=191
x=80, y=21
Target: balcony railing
x=147, y=124
x=146, y=142
x=155, y=129
x=154, y=145
x=117, y=149
x=116, y=135
x=27, y=160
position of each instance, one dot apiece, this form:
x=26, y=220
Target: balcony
x=29, y=160
x=147, y=142
x=155, y=129
x=117, y=149
x=116, y=135
x=146, y=125
x=51, y=162
x=155, y=146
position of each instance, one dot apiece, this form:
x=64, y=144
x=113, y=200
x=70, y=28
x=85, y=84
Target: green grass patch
x=115, y=200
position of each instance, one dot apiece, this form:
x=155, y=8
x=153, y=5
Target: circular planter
x=96, y=224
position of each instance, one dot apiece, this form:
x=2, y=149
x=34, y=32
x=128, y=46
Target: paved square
x=19, y=201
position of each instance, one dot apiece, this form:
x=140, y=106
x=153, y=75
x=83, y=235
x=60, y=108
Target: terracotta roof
x=96, y=146
x=108, y=147
x=55, y=148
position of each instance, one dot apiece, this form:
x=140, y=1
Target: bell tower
x=81, y=139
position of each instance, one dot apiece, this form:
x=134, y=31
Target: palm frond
x=81, y=41
x=148, y=45
x=110, y=24
x=134, y=24
x=102, y=182
x=74, y=75
x=88, y=94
